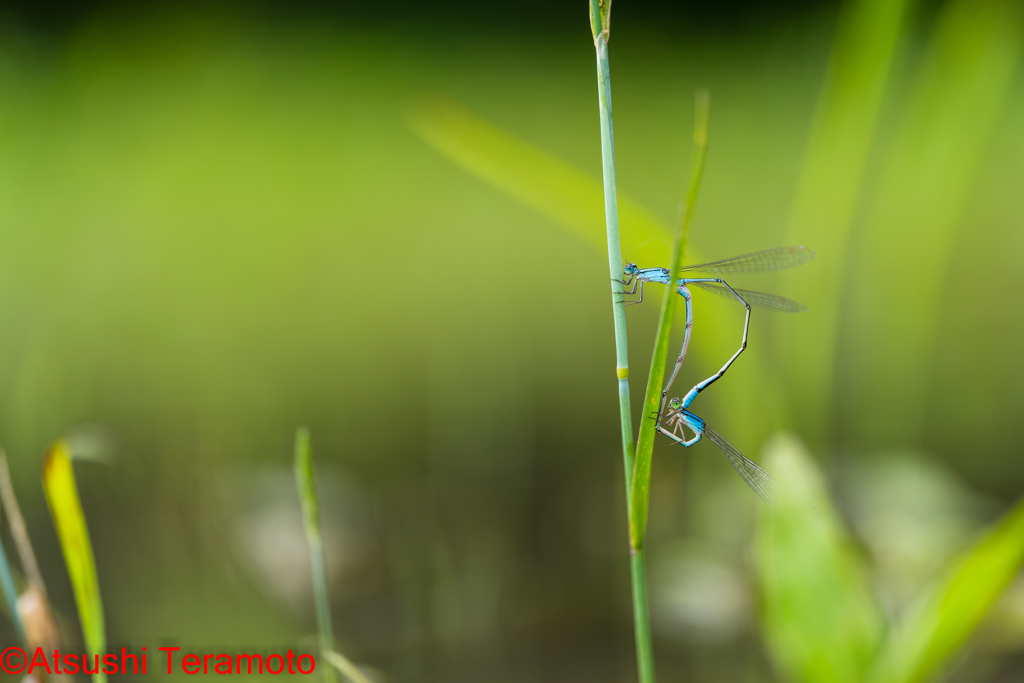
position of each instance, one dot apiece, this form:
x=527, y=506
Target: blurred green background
x=217, y=224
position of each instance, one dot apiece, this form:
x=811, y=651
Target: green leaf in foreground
x=821, y=621
x=66, y=510
x=950, y=610
x=311, y=521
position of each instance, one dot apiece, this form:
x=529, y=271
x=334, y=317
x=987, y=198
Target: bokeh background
x=219, y=222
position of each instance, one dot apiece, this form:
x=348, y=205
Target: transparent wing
x=757, y=479
x=759, y=261
x=772, y=302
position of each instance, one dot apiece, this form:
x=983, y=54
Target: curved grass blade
x=346, y=667
x=772, y=302
x=921, y=206
x=757, y=479
x=10, y=594
x=19, y=532
x=555, y=188
x=69, y=520
x=869, y=37
x=306, y=482
x=778, y=258
x=34, y=609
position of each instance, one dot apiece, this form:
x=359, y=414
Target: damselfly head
x=630, y=269
x=675, y=403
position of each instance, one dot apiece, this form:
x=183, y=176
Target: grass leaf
x=567, y=195
x=920, y=206
x=10, y=593
x=306, y=482
x=949, y=611
x=640, y=495
x=868, y=38
x=19, y=532
x=346, y=667
x=66, y=510
x=820, y=619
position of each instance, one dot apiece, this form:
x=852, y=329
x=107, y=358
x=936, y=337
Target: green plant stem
x=641, y=619
x=611, y=210
x=640, y=495
x=318, y=559
x=641, y=616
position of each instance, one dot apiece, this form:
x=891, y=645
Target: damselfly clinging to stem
x=759, y=261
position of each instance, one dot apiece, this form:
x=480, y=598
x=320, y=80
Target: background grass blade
x=306, y=482
x=346, y=667
x=820, y=619
x=939, y=623
x=569, y=196
x=920, y=204
x=19, y=532
x=34, y=611
x=10, y=593
x=6, y=575
x=867, y=39
x=69, y=520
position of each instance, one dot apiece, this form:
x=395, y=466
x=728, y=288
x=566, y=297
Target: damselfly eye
x=675, y=403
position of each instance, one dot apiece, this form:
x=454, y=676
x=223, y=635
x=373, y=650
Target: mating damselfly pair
x=671, y=422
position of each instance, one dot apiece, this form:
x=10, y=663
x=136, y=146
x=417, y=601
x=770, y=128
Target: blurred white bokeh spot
x=267, y=518
x=696, y=596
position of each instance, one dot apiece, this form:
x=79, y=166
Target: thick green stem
x=640, y=495
x=642, y=625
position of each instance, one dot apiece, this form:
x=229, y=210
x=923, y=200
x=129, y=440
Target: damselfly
x=678, y=416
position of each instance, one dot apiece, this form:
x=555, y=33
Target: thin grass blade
x=869, y=37
x=10, y=593
x=346, y=667
x=640, y=495
x=306, y=482
x=920, y=210
x=569, y=196
x=19, y=532
x=69, y=520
